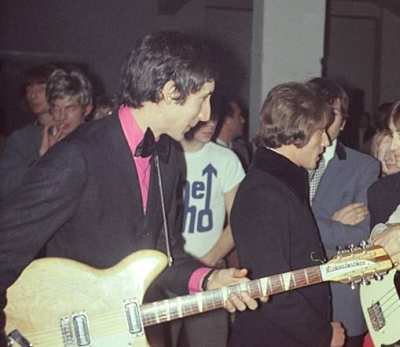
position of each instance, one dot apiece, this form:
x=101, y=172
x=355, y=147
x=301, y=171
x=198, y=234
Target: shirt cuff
x=196, y=278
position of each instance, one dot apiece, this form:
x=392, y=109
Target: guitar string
x=390, y=302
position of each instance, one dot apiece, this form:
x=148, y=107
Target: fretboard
x=183, y=306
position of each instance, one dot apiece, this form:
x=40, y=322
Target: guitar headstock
x=356, y=264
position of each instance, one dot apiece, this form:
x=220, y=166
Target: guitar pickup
x=75, y=330
x=133, y=317
x=376, y=316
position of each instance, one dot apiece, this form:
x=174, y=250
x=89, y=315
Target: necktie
x=149, y=147
x=315, y=177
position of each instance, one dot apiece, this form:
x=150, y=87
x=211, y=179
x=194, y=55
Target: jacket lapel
x=331, y=173
x=120, y=156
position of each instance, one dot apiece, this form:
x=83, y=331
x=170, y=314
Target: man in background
x=211, y=175
x=229, y=130
x=338, y=197
x=62, y=102
x=21, y=147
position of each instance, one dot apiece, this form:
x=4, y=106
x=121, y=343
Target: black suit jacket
x=275, y=232
x=21, y=150
x=383, y=198
x=83, y=199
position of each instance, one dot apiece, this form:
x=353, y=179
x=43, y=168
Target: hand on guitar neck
x=225, y=277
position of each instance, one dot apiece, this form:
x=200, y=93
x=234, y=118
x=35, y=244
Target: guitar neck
x=183, y=306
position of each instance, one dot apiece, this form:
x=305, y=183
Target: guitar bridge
x=376, y=316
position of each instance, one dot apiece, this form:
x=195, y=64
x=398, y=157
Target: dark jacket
x=83, y=199
x=274, y=232
x=383, y=198
x=21, y=150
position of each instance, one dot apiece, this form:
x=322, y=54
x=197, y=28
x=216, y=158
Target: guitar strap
x=164, y=212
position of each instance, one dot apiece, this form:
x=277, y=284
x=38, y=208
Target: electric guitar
x=62, y=303
x=381, y=307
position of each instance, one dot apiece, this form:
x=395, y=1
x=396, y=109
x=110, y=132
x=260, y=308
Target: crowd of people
x=165, y=166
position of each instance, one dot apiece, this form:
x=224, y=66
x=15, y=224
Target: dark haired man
x=230, y=129
x=94, y=197
x=339, y=205
x=273, y=227
x=211, y=175
x=21, y=147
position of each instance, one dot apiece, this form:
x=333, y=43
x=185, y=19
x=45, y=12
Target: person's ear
x=169, y=92
x=88, y=110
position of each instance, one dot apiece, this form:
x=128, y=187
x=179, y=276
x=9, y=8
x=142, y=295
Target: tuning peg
x=378, y=277
x=363, y=244
x=351, y=247
x=365, y=281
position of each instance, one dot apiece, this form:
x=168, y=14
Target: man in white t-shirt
x=211, y=175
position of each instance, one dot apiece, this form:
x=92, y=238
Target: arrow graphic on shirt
x=208, y=171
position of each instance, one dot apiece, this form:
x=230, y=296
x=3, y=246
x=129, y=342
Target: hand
x=338, y=334
x=49, y=140
x=351, y=214
x=227, y=277
x=390, y=241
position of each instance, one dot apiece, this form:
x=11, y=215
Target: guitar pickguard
x=381, y=306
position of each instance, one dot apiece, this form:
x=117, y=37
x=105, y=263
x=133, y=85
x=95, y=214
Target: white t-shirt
x=210, y=173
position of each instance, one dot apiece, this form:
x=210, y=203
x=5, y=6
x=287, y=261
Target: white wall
x=288, y=43
x=364, y=50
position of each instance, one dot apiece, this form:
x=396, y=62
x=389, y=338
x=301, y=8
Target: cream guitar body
x=62, y=303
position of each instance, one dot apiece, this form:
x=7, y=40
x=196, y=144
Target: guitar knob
x=353, y=286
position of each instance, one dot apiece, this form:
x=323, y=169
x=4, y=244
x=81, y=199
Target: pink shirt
x=134, y=135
